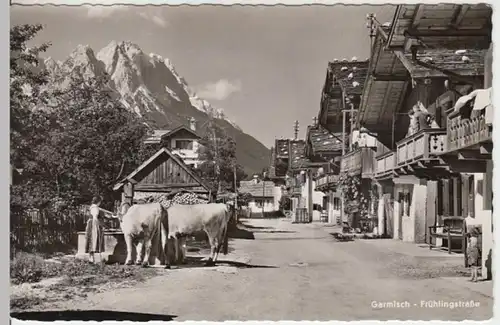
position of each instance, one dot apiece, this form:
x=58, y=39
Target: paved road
x=301, y=273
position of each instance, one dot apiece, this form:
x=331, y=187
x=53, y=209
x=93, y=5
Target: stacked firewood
x=179, y=198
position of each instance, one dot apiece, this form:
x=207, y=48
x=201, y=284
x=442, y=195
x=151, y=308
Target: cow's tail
x=225, y=245
x=164, y=230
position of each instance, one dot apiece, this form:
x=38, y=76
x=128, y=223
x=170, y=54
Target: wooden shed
x=163, y=173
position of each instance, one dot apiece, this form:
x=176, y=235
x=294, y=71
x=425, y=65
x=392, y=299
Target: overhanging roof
x=158, y=135
x=322, y=141
x=451, y=26
x=343, y=76
x=463, y=63
x=392, y=70
x=385, y=85
x=298, y=158
x=282, y=148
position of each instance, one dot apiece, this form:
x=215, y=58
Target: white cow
x=212, y=218
x=148, y=224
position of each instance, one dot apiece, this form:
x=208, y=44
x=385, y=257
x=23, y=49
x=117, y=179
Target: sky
x=265, y=66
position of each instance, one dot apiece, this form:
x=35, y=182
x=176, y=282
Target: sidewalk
x=411, y=249
x=483, y=287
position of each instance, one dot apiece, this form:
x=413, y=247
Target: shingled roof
x=156, y=136
x=256, y=189
x=462, y=62
x=298, y=157
x=322, y=140
x=353, y=79
x=281, y=146
x=350, y=75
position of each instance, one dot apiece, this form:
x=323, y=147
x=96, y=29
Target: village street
x=301, y=273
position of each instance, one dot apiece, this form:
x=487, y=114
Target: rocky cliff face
x=148, y=85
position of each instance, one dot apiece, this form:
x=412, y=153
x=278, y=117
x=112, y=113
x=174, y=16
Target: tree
x=244, y=198
x=219, y=163
x=285, y=203
x=26, y=82
x=75, y=145
x=94, y=139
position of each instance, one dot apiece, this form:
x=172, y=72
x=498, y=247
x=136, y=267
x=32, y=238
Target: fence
x=46, y=231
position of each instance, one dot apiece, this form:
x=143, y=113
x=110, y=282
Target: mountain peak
x=82, y=50
x=149, y=86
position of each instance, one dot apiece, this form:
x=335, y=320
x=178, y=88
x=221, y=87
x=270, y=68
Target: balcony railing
x=360, y=161
x=465, y=133
x=385, y=164
x=296, y=190
x=321, y=181
x=327, y=181
x=424, y=144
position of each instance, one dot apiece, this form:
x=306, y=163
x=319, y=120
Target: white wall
x=277, y=192
x=317, y=196
x=268, y=206
x=413, y=208
x=483, y=217
x=189, y=156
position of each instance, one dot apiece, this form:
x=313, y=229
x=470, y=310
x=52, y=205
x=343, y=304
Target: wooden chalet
x=299, y=173
x=325, y=146
x=164, y=172
x=342, y=95
x=164, y=137
x=452, y=26
x=343, y=87
x=181, y=140
x=431, y=180
x=277, y=169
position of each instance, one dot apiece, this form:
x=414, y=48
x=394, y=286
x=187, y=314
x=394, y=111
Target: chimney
x=192, y=124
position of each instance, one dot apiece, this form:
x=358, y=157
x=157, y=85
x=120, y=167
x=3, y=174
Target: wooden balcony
x=359, y=161
x=469, y=142
x=419, y=154
x=295, y=191
x=470, y=135
x=327, y=182
x=385, y=165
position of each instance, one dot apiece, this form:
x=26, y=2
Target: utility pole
x=310, y=194
x=351, y=119
x=370, y=24
x=216, y=151
x=296, y=130
x=235, y=187
x=343, y=132
x=263, y=192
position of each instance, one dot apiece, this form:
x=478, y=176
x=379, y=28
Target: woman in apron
x=94, y=233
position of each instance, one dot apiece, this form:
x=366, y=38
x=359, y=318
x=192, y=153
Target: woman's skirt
x=94, y=237
x=473, y=256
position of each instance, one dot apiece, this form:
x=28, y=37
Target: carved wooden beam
x=390, y=77
x=467, y=166
x=486, y=148
x=418, y=33
x=473, y=155
x=459, y=15
x=417, y=15
x=448, y=73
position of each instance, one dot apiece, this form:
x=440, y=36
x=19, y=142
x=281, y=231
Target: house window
x=258, y=202
x=450, y=197
x=336, y=203
x=184, y=144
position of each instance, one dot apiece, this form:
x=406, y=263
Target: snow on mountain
x=149, y=85
x=148, y=80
